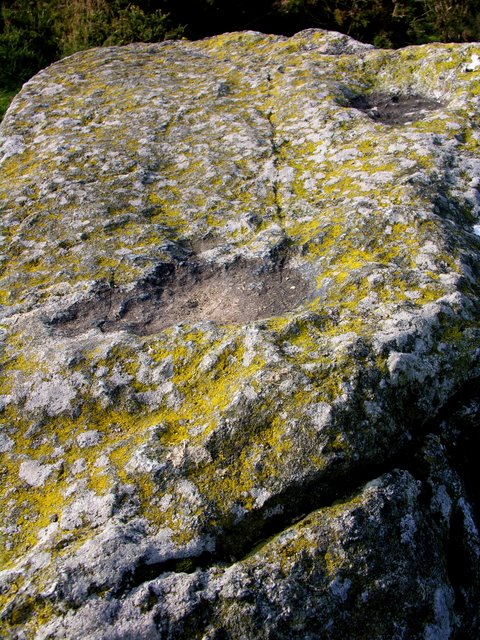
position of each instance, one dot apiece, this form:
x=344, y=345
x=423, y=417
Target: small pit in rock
x=176, y=293
x=394, y=109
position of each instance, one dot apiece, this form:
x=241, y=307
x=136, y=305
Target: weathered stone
x=240, y=342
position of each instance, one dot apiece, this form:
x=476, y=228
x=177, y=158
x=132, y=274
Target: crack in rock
x=238, y=543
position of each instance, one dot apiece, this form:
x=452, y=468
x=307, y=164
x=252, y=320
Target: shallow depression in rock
x=172, y=294
x=394, y=109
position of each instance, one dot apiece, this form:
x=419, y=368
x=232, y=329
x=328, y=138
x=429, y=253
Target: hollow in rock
x=187, y=292
x=394, y=109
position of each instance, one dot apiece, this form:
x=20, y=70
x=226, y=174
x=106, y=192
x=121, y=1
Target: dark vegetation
x=34, y=33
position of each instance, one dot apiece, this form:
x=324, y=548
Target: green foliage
x=82, y=24
x=390, y=22
x=132, y=24
x=453, y=21
x=5, y=99
x=27, y=41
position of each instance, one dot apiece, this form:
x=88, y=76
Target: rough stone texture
x=240, y=343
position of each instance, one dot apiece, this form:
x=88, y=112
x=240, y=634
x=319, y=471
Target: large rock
x=240, y=343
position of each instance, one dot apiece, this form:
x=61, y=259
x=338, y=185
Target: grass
x=5, y=99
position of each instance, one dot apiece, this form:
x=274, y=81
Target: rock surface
x=240, y=343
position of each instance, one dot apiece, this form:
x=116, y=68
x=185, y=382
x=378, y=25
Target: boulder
x=240, y=343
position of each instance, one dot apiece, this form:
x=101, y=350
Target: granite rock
x=239, y=343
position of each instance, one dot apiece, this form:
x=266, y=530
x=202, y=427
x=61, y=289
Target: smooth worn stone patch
x=187, y=292
x=239, y=343
x=395, y=109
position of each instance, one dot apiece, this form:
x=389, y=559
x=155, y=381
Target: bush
x=80, y=24
x=453, y=21
x=93, y=23
x=27, y=41
x=5, y=99
x=134, y=25
x=390, y=22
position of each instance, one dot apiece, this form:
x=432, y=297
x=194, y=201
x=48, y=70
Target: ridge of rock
x=240, y=343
